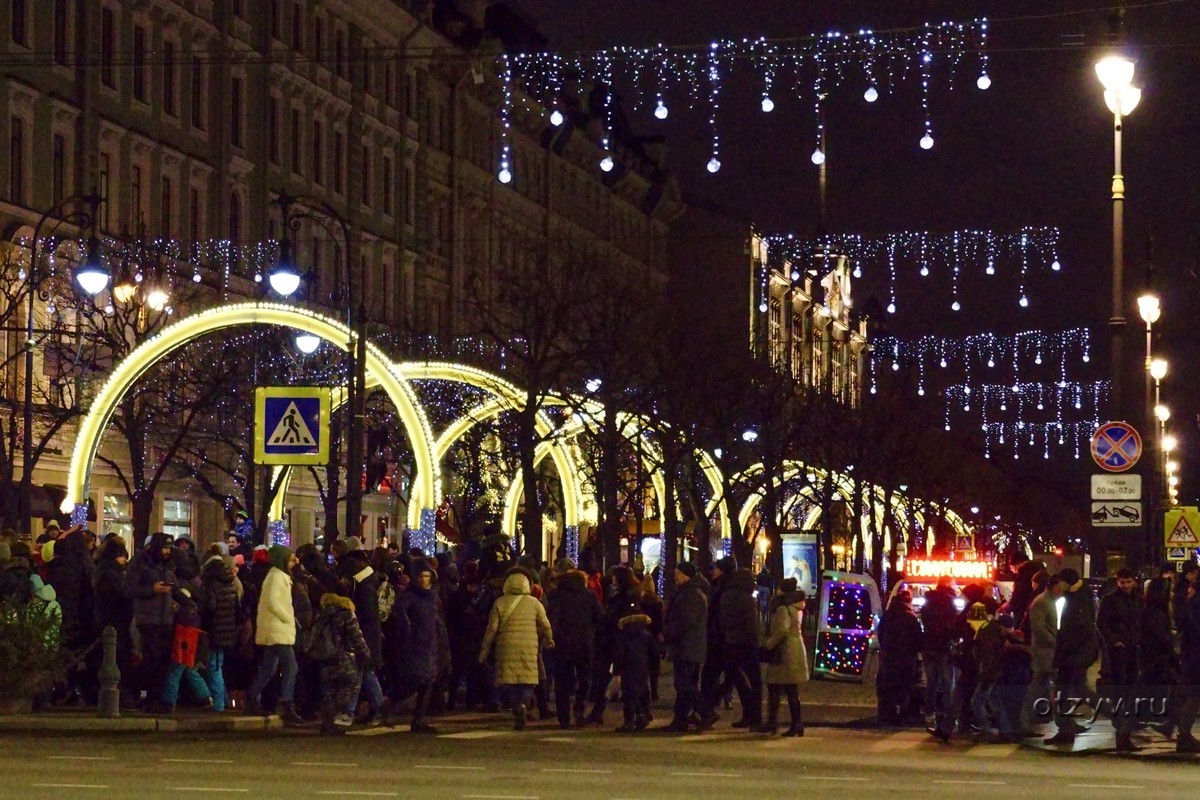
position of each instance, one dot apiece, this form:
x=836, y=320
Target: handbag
x=187, y=645
x=771, y=655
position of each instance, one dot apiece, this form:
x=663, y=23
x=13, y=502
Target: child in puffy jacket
x=187, y=653
x=635, y=649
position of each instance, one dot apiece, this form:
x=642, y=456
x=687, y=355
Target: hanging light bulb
x=556, y=118
x=762, y=307
x=195, y=277
x=991, y=363
x=1024, y=301
x=924, y=270
x=607, y=164
x=818, y=157
x=714, y=164
x=895, y=367
x=926, y=142
x=921, y=391
x=955, y=306
x=21, y=274
x=991, y=268
x=660, y=111
x=871, y=94
x=768, y=105
x=942, y=363
x=258, y=277
x=795, y=274
x=1056, y=266
x=891, y=309
x=505, y=176
x=984, y=82
x=857, y=271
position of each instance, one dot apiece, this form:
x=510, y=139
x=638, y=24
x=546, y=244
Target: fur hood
x=332, y=600
x=575, y=578
x=633, y=619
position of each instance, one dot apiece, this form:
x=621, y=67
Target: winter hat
x=1069, y=576
x=904, y=596
x=241, y=515
x=727, y=565
x=1006, y=620
x=48, y=551
x=239, y=560
x=563, y=566
x=222, y=547
x=279, y=557
x=977, y=616
x=259, y=556
x=113, y=549
x=51, y=525
x=687, y=568
x=353, y=544
x=788, y=585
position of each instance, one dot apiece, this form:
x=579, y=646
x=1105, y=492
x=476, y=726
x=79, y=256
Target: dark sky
x=1035, y=149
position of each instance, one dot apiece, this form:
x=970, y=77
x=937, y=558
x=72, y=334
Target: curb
x=26, y=723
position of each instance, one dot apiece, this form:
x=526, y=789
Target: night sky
x=1035, y=149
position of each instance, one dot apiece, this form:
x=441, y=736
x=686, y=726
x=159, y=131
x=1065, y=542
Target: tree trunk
x=611, y=526
x=856, y=526
x=770, y=517
x=333, y=481
x=531, y=518
x=142, y=504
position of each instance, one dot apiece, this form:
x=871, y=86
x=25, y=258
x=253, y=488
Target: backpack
x=386, y=595
x=321, y=642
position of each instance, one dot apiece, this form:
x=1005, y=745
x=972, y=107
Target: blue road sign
x=291, y=425
x=1116, y=446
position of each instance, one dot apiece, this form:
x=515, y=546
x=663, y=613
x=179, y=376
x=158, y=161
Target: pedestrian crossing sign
x=1181, y=526
x=291, y=425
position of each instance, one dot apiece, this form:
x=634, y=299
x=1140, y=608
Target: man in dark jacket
x=622, y=601
x=70, y=573
x=740, y=635
x=150, y=582
x=1023, y=592
x=1075, y=651
x=417, y=625
x=938, y=616
x=899, y=649
x=113, y=608
x=686, y=634
x=358, y=574
x=714, y=664
x=575, y=617
x=1117, y=622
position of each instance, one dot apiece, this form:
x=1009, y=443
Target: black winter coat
x=684, y=625
x=575, y=617
x=366, y=608
x=899, y=646
x=218, y=603
x=739, y=620
x=70, y=572
x=635, y=649
x=1077, y=644
x=1117, y=619
x=1155, y=648
x=145, y=570
x=112, y=606
x=938, y=617
x=418, y=628
x=616, y=608
x=1189, y=632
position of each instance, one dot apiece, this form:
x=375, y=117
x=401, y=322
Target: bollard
x=110, y=676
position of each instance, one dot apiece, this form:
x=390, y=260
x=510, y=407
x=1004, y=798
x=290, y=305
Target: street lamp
x=92, y=277
x=1116, y=75
x=1168, y=443
x=749, y=435
x=307, y=343
x=285, y=279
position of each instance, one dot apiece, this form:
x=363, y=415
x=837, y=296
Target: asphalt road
x=473, y=762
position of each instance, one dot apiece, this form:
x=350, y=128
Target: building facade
x=190, y=116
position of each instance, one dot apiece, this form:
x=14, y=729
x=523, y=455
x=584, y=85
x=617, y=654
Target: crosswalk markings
x=471, y=735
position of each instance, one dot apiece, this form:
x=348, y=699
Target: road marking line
x=579, y=771
x=992, y=751
x=1103, y=786
x=345, y=793
x=80, y=758
x=322, y=764
x=559, y=739
x=69, y=785
x=221, y=789
x=196, y=761
x=471, y=735
x=828, y=778
x=973, y=783
x=501, y=797
x=380, y=731
x=449, y=766
x=706, y=774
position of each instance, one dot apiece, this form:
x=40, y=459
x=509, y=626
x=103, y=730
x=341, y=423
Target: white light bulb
x=762, y=307
x=991, y=363
x=1086, y=358
x=924, y=270
x=891, y=309
x=556, y=118
x=984, y=82
x=955, y=306
x=858, y=272
x=1056, y=266
x=505, y=176
x=660, y=111
x=818, y=157
x=714, y=164
x=895, y=367
x=943, y=363
x=768, y=105
x=927, y=142
x=195, y=277
x=21, y=274
x=795, y=275
x=1024, y=301
x=991, y=268
x=607, y=164
x=871, y=94
x=921, y=391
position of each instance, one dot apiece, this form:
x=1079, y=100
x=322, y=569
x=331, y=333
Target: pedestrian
x=1117, y=622
x=187, y=653
x=219, y=611
x=1187, y=616
x=517, y=628
x=416, y=628
x=575, y=619
x=686, y=635
x=70, y=573
x=1023, y=592
x=1042, y=625
x=113, y=608
x=275, y=633
x=1075, y=650
x=620, y=603
x=635, y=649
x=1158, y=671
x=150, y=582
x=354, y=568
x=899, y=635
x=337, y=644
x=991, y=639
x=465, y=628
x=740, y=637
x=938, y=616
x=652, y=606
x=786, y=666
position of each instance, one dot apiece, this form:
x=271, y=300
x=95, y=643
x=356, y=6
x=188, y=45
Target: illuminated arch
x=174, y=336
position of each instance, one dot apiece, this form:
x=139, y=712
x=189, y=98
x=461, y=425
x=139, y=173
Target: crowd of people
x=357, y=637
x=995, y=669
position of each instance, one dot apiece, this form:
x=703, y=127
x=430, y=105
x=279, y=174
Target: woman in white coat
x=517, y=627
x=275, y=634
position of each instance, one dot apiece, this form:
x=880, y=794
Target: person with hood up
x=899, y=635
x=517, y=628
x=70, y=573
x=189, y=556
x=341, y=675
x=1075, y=650
x=357, y=572
x=635, y=649
x=219, y=609
x=787, y=670
x=685, y=635
x=43, y=594
x=416, y=625
x=150, y=582
x=187, y=615
x=113, y=608
x=740, y=636
x=275, y=633
x=990, y=643
x=575, y=618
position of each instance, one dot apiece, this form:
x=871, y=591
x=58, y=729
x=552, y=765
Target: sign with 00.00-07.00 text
x=1117, y=487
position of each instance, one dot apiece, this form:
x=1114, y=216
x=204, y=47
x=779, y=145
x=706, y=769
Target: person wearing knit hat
x=727, y=566
x=353, y=544
x=687, y=568
x=275, y=633
x=564, y=565
x=686, y=635
x=1075, y=649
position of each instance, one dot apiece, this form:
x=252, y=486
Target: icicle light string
x=873, y=61
x=978, y=352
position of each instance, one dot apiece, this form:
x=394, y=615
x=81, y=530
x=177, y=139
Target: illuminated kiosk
x=849, y=613
x=921, y=576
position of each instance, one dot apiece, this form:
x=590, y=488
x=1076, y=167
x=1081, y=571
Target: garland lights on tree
x=661, y=76
x=921, y=253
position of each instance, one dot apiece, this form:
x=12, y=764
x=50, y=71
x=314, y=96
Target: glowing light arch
x=166, y=341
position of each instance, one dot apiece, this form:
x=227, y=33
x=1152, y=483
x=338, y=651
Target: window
x=118, y=516
x=165, y=207
x=235, y=112
x=318, y=40
x=276, y=13
x=235, y=217
x=194, y=215
x=19, y=23
x=318, y=155
x=58, y=166
x=177, y=518
x=339, y=52
x=197, y=93
x=387, y=185
x=108, y=32
x=410, y=197
x=389, y=83
x=273, y=129
x=135, y=191
x=297, y=27
x=168, y=77
x=60, y=32
x=339, y=159
x=103, y=188
x=366, y=175
x=239, y=9
x=16, y=160
x=297, y=161
x=139, y=63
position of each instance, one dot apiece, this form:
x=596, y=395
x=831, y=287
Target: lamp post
x=92, y=277
x=1116, y=74
x=285, y=279
x=1150, y=309
x=1158, y=371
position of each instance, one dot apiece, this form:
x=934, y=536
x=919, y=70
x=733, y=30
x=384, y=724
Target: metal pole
x=357, y=397
x=25, y=504
x=1116, y=322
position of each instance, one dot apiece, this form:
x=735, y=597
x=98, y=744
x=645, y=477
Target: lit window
x=177, y=518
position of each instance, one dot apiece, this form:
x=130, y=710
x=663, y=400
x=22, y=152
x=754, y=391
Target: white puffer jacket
x=276, y=620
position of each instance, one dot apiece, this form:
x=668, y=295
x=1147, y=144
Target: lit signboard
x=916, y=568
